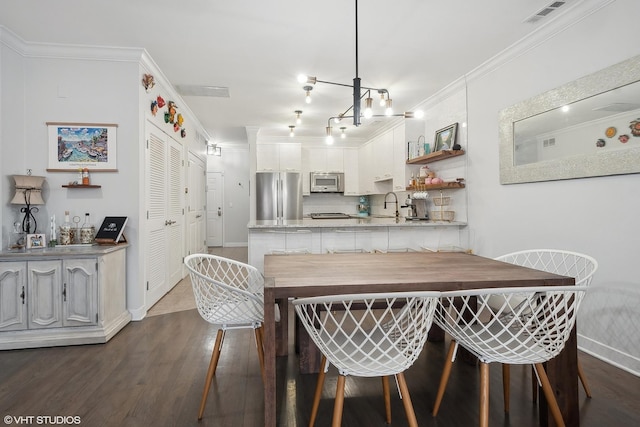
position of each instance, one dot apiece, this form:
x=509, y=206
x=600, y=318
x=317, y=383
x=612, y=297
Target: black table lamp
x=28, y=193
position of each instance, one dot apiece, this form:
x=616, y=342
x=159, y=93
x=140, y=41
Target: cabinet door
x=351, y=170
x=335, y=159
x=290, y=157
x=44, y=290
x=365, y=168
x=400, y=178
x=13, y=304
x=267, y=157
x=79, y=292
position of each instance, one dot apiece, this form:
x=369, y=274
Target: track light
x=302, y=78
x=342, y=133
x=308, y=97
x=291, y=128
x=298, y=118
x=382, y=100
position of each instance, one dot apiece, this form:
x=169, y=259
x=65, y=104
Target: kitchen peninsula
x=353, y=234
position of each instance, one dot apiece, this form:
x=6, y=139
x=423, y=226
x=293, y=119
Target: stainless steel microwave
x=327, y=182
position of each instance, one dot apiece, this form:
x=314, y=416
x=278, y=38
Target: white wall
x=597, y=216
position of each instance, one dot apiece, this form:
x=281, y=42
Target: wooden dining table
x=306, y=275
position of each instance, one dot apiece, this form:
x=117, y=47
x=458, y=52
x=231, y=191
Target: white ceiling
x=257, y=48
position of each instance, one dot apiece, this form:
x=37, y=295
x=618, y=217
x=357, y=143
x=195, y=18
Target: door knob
x=219, y=212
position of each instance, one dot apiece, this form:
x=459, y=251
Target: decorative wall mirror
x=589, y=127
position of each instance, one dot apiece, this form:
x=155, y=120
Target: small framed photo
x=445, y=138
x=36, y=241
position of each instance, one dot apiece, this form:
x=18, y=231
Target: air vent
x=195, y=90
x=548, y=142
x=545, y=11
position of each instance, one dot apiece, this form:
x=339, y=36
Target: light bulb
x=419, y=114
x=308, y=89
x=389, y=110
x=291, y=128
x=307, y=99
x=342, y=133
x=298, y=118
x=367, y=108
x=329, y=140
x=302, y=78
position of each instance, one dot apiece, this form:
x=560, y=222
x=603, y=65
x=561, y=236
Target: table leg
x=269, y=358
x=563, y=376
x=282, y=328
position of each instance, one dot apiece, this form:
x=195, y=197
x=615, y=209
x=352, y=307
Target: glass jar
x=66, y=236
x=88, y=231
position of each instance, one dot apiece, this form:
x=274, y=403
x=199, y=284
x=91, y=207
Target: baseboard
x=610, y=355
x=236, y=244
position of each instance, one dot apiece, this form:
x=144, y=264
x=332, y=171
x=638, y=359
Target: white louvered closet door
x=165, y=222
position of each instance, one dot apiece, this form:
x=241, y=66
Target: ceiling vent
x=195, y=90
x=545, y=11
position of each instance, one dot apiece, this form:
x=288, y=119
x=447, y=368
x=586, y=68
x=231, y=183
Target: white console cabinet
x=62, y=296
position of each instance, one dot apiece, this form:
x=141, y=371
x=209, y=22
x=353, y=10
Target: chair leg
x=484, y=394
x=318, y=393
x=583, y=380
x=549, y=395
x=260, y=348
x=506, y=381
x=387, y=398
x=339, y=403
x=444, y=379
x=213, y=364
x=406, y=400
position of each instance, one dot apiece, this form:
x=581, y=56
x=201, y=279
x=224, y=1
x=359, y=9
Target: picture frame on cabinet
x=36, y=241
x=445, y=137
x=74, y=146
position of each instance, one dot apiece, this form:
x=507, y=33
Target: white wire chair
x=531, y=326
x=368, y=335
x=230, y=294
x=566, y=263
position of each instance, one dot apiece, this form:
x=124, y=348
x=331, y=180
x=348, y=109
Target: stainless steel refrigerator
x=278, y=195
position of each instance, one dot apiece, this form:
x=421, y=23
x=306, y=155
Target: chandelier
x=354, y=111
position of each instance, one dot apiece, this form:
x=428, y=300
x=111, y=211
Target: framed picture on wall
x=74, y=146
x=445, y=137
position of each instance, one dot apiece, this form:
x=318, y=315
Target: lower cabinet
x=62, y=301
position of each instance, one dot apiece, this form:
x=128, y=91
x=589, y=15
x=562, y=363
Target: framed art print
x=74, y=146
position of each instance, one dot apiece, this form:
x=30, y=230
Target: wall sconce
x=29, y=193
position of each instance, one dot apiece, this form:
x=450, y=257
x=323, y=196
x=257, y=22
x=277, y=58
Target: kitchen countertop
x=371, y=221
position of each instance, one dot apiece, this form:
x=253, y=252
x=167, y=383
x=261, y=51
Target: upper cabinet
x=325, y=159
x=351, y=172
x=383, y=160
x=286, y=157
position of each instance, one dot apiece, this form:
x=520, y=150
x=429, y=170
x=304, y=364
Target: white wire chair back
x=566, y=263
x=227, y=292
x=531, y=325
x=369, y=335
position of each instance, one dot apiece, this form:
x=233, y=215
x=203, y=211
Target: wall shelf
x=81, y=186
x=443, y=186
x=434, y=157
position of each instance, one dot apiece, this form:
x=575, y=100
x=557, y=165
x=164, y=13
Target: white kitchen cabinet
x=383, y=159
x=351, y=172
x=365, y=167
x=354, y=239
x=325, y=159
x=400, y=173
x=281, y=241
x=61, y=297
x=286, y=157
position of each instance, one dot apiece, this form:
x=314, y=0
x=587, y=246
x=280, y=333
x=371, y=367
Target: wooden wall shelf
x=443, y=186
x=434, y=157
x=81, y=186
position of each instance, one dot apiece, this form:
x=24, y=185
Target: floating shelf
x=443, y=186
x=434, y=157
x=81, y=186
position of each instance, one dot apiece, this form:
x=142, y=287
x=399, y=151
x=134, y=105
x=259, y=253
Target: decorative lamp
x=29, y=193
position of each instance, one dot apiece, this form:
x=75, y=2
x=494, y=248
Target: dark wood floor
x=152, y=372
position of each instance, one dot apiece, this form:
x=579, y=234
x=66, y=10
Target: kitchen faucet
x=395, y=197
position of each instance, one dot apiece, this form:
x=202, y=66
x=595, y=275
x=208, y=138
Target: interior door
x=196, y=205
x=215, y=217
x=165, y=213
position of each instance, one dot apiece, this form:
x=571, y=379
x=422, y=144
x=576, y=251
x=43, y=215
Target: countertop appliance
x=278, y=195
x=327, y=182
